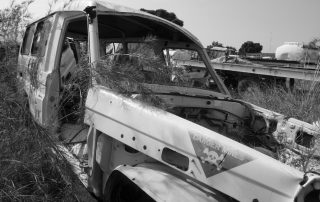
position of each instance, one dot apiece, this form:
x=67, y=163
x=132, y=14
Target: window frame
x=27, y=40
x=40, y=37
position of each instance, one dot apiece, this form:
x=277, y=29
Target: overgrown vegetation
x=31, y=168
x=29, y=171
x=302, y=103
x=13, y=20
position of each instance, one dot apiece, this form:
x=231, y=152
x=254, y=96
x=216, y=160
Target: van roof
x=107, y=7
x=80, y=5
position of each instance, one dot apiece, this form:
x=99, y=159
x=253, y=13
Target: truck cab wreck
x=105, y=79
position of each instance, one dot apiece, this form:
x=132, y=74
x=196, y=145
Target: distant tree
x=232, y=50
x=250, y=47
x=13, y=20
x=214, y=44
x=314, y=43
x=166, y=15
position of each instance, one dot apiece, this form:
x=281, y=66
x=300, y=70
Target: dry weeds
x=303, y=104
x=28, y=169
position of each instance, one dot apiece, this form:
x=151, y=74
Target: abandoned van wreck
x=144, y=127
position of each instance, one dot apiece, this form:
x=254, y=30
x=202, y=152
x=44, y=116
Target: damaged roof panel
x=152, y=23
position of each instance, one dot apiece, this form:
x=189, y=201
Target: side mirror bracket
x=91, y=12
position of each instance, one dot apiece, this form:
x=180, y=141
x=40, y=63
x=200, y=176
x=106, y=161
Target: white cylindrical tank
x=294, y=51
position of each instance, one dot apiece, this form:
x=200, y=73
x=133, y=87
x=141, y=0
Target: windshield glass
x=147, y=62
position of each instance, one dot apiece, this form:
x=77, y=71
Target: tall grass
x=29, y=171
x=302, y=103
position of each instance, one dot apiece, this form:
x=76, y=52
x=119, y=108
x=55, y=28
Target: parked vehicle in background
x=146, y=128
x=292, y=62
x=241, y=73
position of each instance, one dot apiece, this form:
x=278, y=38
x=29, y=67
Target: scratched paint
x=214, y=158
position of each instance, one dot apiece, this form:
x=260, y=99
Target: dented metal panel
x=214, y=159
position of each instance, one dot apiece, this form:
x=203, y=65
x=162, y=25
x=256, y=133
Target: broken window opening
x=148, y=62
x=40, y=37
x=74, y=73
x=27, y=40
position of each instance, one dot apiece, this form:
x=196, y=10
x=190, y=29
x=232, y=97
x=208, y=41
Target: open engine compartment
x=258, y=128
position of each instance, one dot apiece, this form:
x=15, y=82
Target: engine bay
x=258, y=128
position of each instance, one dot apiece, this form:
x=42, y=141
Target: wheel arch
x=116, y=183
x=161, y=185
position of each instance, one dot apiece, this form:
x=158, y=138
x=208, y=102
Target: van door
x=34, y=65
x=68, y=25
x=24, y=58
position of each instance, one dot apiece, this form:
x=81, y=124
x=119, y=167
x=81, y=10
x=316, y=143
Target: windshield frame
x=193, y=44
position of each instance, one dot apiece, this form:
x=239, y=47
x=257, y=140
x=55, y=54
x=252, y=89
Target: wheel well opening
x=121, y=188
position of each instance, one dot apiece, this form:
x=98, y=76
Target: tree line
x=246, y=47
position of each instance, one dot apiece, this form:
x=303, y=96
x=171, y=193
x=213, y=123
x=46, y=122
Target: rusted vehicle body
x=178, y=137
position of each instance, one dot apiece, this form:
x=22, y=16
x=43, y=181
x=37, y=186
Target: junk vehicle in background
x=292, y=63
x=294, y=51
x=145, y=128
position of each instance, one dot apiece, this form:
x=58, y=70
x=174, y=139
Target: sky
x=232, y=22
